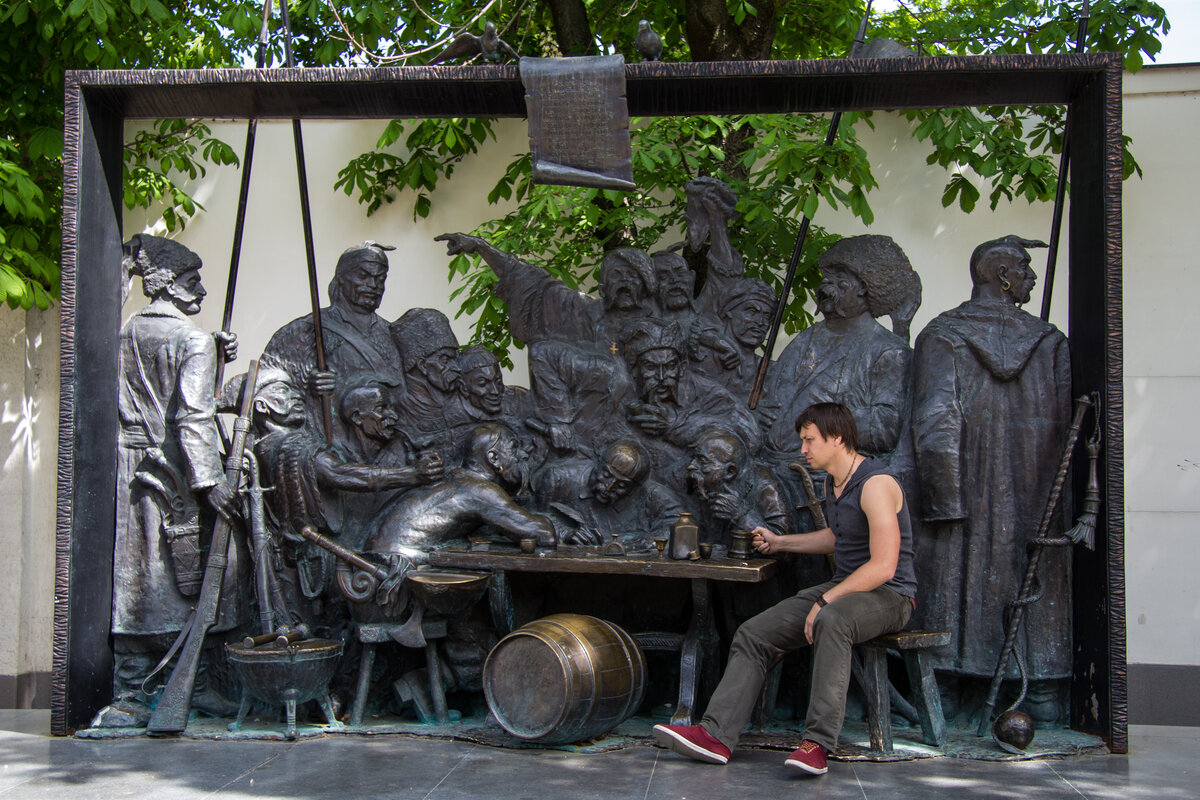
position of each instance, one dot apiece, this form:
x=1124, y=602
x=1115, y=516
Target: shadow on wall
x=29, y=429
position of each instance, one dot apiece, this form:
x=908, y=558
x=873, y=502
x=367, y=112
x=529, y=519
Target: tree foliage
x=39, y=41
x=778, y=165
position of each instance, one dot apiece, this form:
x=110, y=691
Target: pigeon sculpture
x=648, y=43
x=468, y=46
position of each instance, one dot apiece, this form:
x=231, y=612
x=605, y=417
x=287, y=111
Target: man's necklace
x=849, y=472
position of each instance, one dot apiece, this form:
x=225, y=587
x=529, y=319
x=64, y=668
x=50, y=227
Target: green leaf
x=391, y=134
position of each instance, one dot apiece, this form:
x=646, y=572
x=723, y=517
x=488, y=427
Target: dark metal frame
x=98, y=103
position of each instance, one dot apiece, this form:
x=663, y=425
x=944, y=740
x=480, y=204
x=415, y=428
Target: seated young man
x=872, y=593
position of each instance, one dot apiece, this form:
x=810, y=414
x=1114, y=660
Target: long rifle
x=306, y=219
x=1026, y=595
x=760, y=377
x=239, y=223
x=1060, y=194
x=171, y=713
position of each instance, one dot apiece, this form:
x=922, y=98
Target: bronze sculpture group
x=636, y=411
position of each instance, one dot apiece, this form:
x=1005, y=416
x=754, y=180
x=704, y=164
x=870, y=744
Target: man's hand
x=430, y=467
x=726, y=353
x=652, y=419
x=561, y=436
x=767, y=412
x=548, y=538
x=223, y=499
x=227, y=343
x=460, y=243
x=808, y=622
x=585, y=535
x=322, y=383
x=765, y=541
x=725, y=506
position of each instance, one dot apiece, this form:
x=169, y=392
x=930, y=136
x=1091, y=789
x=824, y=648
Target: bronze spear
x=309, y=249
x=239, y=223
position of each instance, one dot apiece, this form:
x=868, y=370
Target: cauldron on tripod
x=287, y=672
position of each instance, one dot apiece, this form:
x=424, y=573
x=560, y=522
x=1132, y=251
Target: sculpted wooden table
x=697, y=646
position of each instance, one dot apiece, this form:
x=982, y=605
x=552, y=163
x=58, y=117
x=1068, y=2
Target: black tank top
x=852, y=537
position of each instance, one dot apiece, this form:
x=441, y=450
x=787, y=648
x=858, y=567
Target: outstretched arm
x=817, y=543
x=457, y=243
x=501, y=511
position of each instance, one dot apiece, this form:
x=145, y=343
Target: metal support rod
x=1060, y=193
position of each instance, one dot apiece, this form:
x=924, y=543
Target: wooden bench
x=912, y=646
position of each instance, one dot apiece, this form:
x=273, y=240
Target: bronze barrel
x=564, y=678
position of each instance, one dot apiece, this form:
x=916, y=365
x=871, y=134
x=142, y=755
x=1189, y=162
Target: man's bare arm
x=817, y=543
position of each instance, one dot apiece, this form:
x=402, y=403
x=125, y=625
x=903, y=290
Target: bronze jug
x=685, y=538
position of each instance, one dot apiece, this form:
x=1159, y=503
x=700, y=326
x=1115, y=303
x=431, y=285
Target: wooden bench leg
x=365, y=665
x=437, y=691
x=929, y=701
x=697, y=653
x=879, y=705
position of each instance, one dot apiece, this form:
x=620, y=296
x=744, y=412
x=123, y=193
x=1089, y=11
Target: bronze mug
x=739, y=544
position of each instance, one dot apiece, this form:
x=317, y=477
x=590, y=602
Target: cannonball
x=1013, y=731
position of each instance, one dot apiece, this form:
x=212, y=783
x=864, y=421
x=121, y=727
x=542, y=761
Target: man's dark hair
x=831, y=419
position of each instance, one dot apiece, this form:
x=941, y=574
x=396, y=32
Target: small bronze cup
x=706, y=549
x=661, y=546
x=528, y=544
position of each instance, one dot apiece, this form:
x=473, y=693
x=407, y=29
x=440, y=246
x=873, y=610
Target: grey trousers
x=764, y=639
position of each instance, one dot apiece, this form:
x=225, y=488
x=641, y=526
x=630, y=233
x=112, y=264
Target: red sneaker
x=809, y=757
x=691, y=741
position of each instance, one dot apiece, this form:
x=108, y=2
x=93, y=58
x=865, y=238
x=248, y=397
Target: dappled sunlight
x=24, y=448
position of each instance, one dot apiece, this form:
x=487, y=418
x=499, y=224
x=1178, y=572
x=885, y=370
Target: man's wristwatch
x=821, y=601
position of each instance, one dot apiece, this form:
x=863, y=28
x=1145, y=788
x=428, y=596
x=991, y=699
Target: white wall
x=1162, y=369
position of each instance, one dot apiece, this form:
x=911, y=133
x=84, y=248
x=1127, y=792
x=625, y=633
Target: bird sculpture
x=648, y=43
x=467, y=45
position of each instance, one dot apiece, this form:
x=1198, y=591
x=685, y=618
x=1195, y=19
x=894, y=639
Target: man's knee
x=832, y=622
x=753, y=641
x=746, y=638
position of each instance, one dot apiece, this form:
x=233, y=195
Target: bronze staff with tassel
x=1029, y=593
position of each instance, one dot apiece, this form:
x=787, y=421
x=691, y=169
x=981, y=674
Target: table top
x=573, y=559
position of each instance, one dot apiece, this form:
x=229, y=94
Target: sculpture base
x=635, y=732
